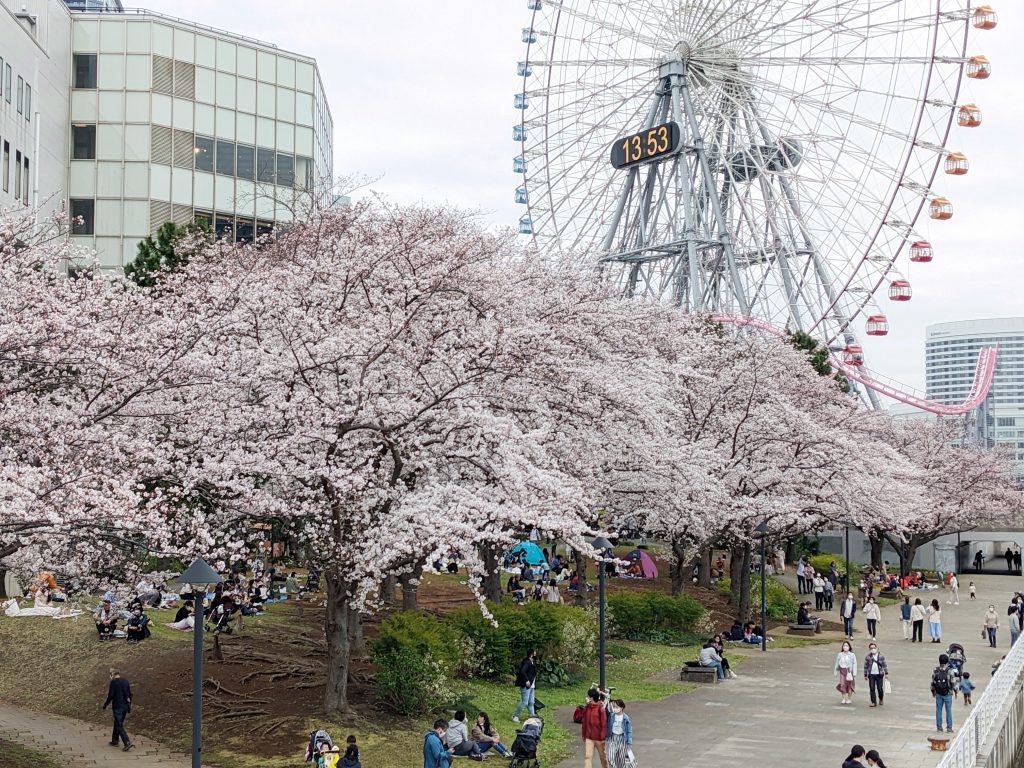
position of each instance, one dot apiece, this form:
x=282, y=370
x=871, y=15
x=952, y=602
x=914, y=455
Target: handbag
x=538, y=705
x=577, y=714
x=886, y=685
x=849, y=676
x=630, y=759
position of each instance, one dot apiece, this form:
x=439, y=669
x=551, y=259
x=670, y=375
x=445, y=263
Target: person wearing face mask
x=846, y=670
x=619, y=737
x=990, y=625
x=873, y=616
x=875, y=672
x=847, y=609
x=137, y=628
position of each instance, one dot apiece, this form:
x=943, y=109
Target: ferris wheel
x=755, y=159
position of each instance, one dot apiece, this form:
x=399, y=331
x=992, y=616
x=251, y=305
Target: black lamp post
x=201, y=574
x=762, y=528
x=846, y=577
x=602, y=545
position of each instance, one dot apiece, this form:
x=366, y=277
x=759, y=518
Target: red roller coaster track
x=983, y=373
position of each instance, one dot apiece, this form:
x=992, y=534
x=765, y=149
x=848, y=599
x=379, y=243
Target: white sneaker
x=515, y=718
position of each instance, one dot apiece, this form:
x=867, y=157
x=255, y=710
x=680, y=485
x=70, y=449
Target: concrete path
x=78, y=743
x=784, y=710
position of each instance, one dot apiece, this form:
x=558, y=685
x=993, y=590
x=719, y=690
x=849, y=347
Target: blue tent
x=533, y=553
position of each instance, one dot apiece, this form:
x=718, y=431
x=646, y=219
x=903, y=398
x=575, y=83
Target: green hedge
x=820, y=563
x=652, y=616
x=781, y=602
x=414, y=654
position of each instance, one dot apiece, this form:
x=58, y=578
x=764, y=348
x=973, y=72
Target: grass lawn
x=16, y=756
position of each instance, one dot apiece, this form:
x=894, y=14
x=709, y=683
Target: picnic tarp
x=533, y=553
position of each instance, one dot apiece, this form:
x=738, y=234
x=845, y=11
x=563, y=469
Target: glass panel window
x=85, y=70
x=285, y=170
x=264, y=228
x=244, y=231
x=7, y=166
x=1, y=76
x=25, y=184
x=225, y=157
x=204, y=153
x=246, y=162
x=21, y=94
x=17, y=175
x=265, y=165
x=203, y=218
x=28, y=102
x=7, y=83
x=83, y=141
x=225, y=228
x=303, y=171
x=82, y=216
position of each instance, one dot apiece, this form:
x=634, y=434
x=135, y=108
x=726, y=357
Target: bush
x=652, y=616
x=820, y=563
x=781, y=603
x=413, y=654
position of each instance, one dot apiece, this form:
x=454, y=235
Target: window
x=265, y=165
x=264, y=228
x=224, y=228
x=28, y=102
x=285, y=170
x=25, y=184
x=303, y=171
x=246, y=162
x=204, y=153
x=1, y=76
x=7, y=166
x=17, y=175
x=21, y=94
x=244, y=231
x=225, y=158
x=82, y=209
x=83, y=142
x=7, y=82
x=85, y=70
x=203, y=218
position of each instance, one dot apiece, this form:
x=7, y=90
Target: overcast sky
x=421, y=94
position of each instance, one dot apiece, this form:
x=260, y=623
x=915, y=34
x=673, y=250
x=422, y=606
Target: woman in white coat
x=873, y=615
x=846, y=670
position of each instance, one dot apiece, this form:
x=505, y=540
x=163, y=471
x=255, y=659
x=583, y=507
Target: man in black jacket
x=119, y=694
x=526, y=678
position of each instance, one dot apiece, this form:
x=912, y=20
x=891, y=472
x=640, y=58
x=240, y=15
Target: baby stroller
x=219, y=620
x=957, y=660
x=524, y=748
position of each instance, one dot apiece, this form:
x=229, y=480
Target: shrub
x=652, y=616
x=820, y=563
x=413, y=654
x=782, y=604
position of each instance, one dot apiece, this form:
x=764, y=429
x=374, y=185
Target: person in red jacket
x=595, y=729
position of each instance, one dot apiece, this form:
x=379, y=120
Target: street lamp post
x=846, y=576
x=201, y=574
x=602, y=545
x=762, y=528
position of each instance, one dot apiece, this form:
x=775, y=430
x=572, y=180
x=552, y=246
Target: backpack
x=940, y=681
x=316, y=738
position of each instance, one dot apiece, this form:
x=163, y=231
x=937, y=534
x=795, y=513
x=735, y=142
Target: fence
x=991, y=735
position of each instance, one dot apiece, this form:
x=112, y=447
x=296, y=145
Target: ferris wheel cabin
x=956, y=164
x=969, y=116
x=979, y=68
x=853, y=355
x=985, y=17
x=921, y=251
x=899, y=290
x=876, y=325
x=940, y=209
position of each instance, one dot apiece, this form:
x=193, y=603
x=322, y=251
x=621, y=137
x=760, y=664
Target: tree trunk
x=356, y=641
x=581, y=570
x=679, y=567
x=336, y=628
x=386, y=592
x=743, y=613
x=704, y=575
x=735, y=574
x=410, y=585
x=877, y=542
x=492, y=574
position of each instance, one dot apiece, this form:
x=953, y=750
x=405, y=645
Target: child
x=973, y=591
x=966, y=686
x=351, y=757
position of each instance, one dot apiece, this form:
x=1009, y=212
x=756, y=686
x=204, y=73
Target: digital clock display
x=649, y=144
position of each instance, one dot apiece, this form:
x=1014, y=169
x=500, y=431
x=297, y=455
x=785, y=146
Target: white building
x=951, y=353
x=131, y=119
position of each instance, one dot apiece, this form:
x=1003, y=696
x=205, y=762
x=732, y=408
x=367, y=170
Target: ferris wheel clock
x=645, y=146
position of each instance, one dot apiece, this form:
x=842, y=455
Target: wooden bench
x=889, y=594
x=805, y=629
x=698, y=674
x=939, y=743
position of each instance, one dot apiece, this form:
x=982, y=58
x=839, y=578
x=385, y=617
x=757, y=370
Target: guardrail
x=992, y=732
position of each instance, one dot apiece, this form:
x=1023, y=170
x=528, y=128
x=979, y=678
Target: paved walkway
x=784, y=709
x=78, y=743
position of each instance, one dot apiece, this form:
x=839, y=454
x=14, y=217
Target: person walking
x=619, y=735
x=990, y=625
x=846, y=671
x=875, y=672
x=905, y=611
x=1008, y=556
x=1014, y=627
x=972, y=591
x=873, y=616
x=526, y=682
x=819, y=592
x=979, y=558
x=1016, y=560
x=829, y=595
x=595, y=729
x=801, y=580
x=935, y=622
x=119, y=699
x=917, y=616
x=942, y=690
x=954, y=590
x=847, y=609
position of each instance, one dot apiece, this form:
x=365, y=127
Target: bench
x=805, y=629
x=889, y=594
x=697, y=673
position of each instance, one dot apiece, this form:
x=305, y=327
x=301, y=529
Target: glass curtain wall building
x=158, y=119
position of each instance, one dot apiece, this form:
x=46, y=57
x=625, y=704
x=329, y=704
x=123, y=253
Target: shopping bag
x=630, y=759
x=538, y=705
x=886, y=685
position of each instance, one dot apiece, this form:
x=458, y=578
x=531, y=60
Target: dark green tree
x=166, y=253
x=818, y=354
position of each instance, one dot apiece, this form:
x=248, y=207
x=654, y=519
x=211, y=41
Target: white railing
x=993, y=729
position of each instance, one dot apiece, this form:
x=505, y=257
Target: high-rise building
x=951, y=353
x=131, y=119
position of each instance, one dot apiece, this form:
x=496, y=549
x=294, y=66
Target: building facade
x=132, y=119
x=951, y=353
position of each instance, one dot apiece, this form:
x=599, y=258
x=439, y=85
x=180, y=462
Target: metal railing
x=991, y=734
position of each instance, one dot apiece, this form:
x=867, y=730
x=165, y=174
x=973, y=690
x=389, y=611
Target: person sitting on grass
x=106, y=620
x=457, y=737
x=435, y=753
x=749, y=636
x=351, y=757
x=486, y=735
x=137, y=628
x=184, y=620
